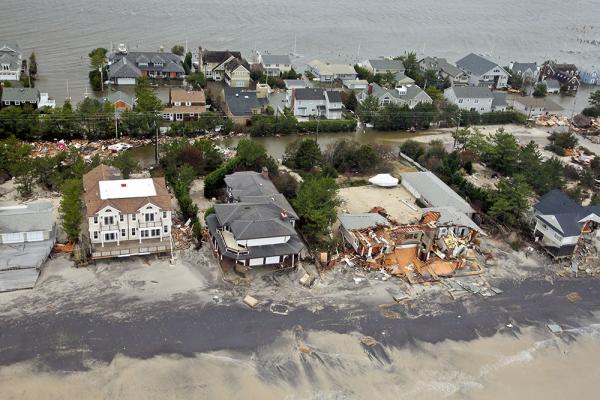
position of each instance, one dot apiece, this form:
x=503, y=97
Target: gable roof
x=309, y=94
x=451, y=216
x=435, y=191
x=332, y=69
x=522, y=67
x=471, y=92
x=10, y=54
x=120, y=96
x=412, y=91
x=20, y=94
x=183, y=96
x=552, y=84
x=563, y=213
x=385, y=64
x=268, y=59
x=499, y=99
x=94, y=202
x=441, y=65
x=218, y=56
x=538, y=102
x=253, y=220
x=241, y=102
x=170, y=62
x=476, y=64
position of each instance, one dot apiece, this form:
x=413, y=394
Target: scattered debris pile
x=441, y=245
x=551, y=120
x=586, y=256
x=586, y=126
x=182, y=236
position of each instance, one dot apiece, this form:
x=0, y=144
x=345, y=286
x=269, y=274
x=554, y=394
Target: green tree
x=146, y=99
x=33, y=67
x=435, y=93
x=126, y=163
x=504, y=152
x=196, y=79
x=510, y=200
x=97, y=57
x=363, y=73
x=349, y=100
x=304, y=154
x=316, y=204
x=595, y=99
x=411, y=66
x=178, y=50
x=540, y=90
x=70, y=209
x=388, y=80
x=368, y=109
x=25, y=177
x=413, y=149
x=187, y=62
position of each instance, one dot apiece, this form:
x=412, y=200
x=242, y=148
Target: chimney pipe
x=370, y=89
x=265, y=172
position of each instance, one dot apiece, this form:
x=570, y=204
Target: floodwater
x=62, y=32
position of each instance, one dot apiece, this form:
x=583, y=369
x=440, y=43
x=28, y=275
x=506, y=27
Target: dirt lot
x=361, y=199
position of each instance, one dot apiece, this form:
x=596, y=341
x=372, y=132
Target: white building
x=275, y=65
x=326, y=72
x=407, y=95
x=470, y=98
x=11, y=62
x=126, y=217
x=534, y=106
x=307, y=103
x=483, y=72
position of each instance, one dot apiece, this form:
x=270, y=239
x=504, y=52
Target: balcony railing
x=109, y=227
x=151, y=224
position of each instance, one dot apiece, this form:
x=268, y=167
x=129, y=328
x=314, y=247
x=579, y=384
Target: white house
x=126, y=217
x=26, y=96
x=309, y=102
x=275, y=65
x=444, y=70
x=534, y=106
x=529, y=71
x=224, y=65
x=409, y=95
x=471, y=98
x=483, y=72
x=326, y=72
x=560, y=222
x=11, y=62
x=236, y=75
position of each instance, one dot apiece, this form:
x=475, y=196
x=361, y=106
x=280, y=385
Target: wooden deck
x=131, y=248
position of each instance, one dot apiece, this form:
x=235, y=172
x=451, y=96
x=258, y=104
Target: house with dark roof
x=11, y=62
x=475, y=98
x=566, y=74
x=224, y=66
x=125, y=68
x=483, y=72
x=256, y=226
x=444, y=70
x=560, y=222
x=275, y=64
x=316, y=103
x=241, y=104
x=125, y=217
x=406, y=95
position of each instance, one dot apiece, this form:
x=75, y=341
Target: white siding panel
x=36, y=236
x=13, y=237
x=272, y=260
x=257, y=261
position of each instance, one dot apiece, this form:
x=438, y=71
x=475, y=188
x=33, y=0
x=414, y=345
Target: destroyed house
x=352, y=227
x=449, y=220
x=256, y=226
x=560, y=222
x=126, y=217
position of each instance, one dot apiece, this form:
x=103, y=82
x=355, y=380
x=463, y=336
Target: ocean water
x=62, y=32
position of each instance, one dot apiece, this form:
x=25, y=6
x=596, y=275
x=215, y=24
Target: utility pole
x=116, y=126
x=457, y=127
x=102, y=76
x=156, y=144
x=317, y=135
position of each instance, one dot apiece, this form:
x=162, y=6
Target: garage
x=36, y=236
x=256, y=261
x=18, y=237
x=272, y=260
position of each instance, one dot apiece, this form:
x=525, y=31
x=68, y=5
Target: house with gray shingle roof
x=444, y=70
x=125, y=68
x=274, y=64
x=121, y=101
x=241, y=104
x=560, y=222
x=406, y=95
x=256, y=226
x=529, y=71
x=384, y=65
x=483, y=72
x=316, y=102
x=11, y=62
x=471, y=98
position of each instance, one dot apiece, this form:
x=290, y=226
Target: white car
x=119, y=147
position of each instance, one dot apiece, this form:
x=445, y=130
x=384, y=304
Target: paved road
x=65, y=341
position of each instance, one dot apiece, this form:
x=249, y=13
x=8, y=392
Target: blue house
x=590, y=76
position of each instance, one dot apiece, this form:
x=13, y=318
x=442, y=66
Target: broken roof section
x=362, y=221
x=449, y=216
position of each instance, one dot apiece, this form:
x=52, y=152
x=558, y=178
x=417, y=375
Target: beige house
x=126, y=217
x=184, y=105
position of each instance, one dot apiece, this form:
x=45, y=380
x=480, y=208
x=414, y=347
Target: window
x=96, y=235
x=132, y=231
x=164, y=214
x=109, y=220
x=109, y=236
x=17, y=103
x=95, y=219
x=460, y=101
x=155, y=232
x=166, y=229
x=121, y=217
x=476, y=101
x=149, y=217
x=123, y=232
x=144, y=234
x=133, y=217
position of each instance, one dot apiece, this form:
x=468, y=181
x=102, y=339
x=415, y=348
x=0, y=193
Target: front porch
x=131, y=248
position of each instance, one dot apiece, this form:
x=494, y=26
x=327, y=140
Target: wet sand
x=337, y=366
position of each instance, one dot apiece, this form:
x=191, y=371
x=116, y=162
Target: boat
x=121, y=48
x=119, y=147
x=384, y=180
